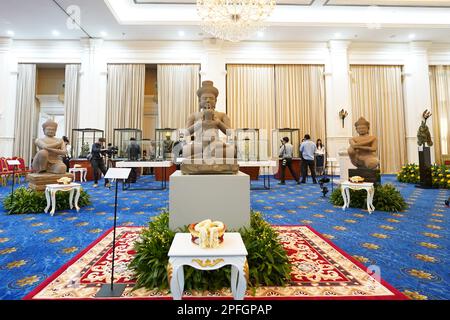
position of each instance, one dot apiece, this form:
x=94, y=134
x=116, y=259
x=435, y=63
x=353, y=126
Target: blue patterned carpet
x=410, y=248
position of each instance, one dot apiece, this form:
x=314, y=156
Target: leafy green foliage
x=30, y=201
x=386, y=198
x=268, y=261
x=440, y=175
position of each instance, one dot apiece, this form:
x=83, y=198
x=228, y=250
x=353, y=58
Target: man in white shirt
x=286, y=153
x=307, y=150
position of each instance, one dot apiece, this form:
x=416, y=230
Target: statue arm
x=225, y=124
x=57, y=148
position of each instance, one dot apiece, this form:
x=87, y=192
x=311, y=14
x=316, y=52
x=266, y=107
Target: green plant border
x=268, y=261
x=440, y=175
x=30, y=201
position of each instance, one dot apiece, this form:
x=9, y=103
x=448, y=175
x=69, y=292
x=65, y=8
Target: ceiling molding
x=190, y=2
x=390, y=3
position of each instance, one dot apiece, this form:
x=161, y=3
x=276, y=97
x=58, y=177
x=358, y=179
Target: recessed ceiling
x=316, y=22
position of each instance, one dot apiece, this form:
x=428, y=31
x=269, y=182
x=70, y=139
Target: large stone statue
x=204, y=125
x=51, y=149
x=363, y=149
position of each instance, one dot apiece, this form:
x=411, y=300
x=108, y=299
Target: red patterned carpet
x=320, y=270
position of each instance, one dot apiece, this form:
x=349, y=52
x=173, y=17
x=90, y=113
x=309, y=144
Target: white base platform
x=344, y=164
x=193, y=198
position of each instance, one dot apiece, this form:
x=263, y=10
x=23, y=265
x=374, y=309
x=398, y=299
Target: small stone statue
x=423, y=134
x=51, y=149
x=363, y=149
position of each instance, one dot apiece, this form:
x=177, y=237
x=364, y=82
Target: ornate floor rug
x=320, y=270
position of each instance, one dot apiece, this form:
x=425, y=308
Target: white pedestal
x=344, y=165
x=193, y=198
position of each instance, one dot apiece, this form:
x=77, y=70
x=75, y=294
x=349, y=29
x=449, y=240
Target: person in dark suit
x=97, y=162
x=134, y=153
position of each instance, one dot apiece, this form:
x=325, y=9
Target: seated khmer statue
x=51, y=149
x=207, y=151
x=363, y=149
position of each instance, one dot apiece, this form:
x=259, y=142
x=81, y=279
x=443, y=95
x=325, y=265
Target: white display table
x=368, y=186
x=224, y=197
x=231, y=252
x=146, y=164
x=82, y=171
x=265, y=165
x=50, y=195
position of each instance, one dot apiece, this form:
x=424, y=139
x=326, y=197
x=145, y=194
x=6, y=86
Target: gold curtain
x=71, y=98
x=26, y=116
x=251, y=98
x=440, y=109
x=300, y=99
x=125, y=97
x=177, y=99
x=377, y=95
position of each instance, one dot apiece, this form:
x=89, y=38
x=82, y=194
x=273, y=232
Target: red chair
x=4, y=171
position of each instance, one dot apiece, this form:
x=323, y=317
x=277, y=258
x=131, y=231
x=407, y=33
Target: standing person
x=286, y=153
x=67, y=157
x=97, y=152
x=320, y=157
x=133, y=152
x=307, y=150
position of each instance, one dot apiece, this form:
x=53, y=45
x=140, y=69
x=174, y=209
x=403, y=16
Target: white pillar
x=338, y=96
x=93, y=85
x=8, y=83
x=213, y=68
x=416, y=95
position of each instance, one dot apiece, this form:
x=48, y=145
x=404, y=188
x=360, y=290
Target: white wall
x=95, y=54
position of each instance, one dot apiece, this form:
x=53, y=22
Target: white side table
x=232, y=252
x=368, y=186
x=82, y=171
x=50, y=195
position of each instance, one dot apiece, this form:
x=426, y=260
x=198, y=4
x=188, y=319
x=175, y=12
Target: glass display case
x=165, y=139
x=247, y=143
x=121, y=141
x=82, y=141
x=294, y=139
x=148, y=148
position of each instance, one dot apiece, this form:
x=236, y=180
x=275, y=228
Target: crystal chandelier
x=234, y=20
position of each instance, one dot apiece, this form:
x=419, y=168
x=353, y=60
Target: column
x=93, y=80
x=8, y=82
x=338, y=96
x=417, y=95
x=213, y=68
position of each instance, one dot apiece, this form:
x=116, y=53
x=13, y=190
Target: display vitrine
x=247, y=143
x=294, y=139
x=165, y=139
x=121, y=141
x=82, y=141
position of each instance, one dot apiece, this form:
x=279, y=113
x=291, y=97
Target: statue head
x=207, y=95
x=50, y=128
x=362, y=126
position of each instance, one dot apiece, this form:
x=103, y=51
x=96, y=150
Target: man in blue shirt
x=307, y=150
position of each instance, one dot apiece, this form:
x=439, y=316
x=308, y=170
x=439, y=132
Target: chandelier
x=234, y=20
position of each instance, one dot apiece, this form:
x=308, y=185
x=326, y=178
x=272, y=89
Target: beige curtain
x=71, y=98
x=251, y=98
x=440, y=109
x=125, y=97
x=177, y=99
x=377, y=95
x=25, y=119
x=300, y=99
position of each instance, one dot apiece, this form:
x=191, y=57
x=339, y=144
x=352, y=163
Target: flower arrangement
x=207, y=233
x=440, y=175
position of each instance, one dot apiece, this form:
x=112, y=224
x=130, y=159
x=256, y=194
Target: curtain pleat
x=300, y=99
x=251, y=99
x=71, y=98
x=25, y=123
x=177, y=98
x=125, y=97
x=377, y=95
x=440, y=109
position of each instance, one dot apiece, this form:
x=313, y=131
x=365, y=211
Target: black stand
x=113, y=289
x=425, y=168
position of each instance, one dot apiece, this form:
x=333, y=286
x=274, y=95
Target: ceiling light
x=234, y=20
x=104, y=33
x=412, y=36
x=55, y=33
x=260, y=34
x=337, y=35
x=181, y=33
x=10, y=33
